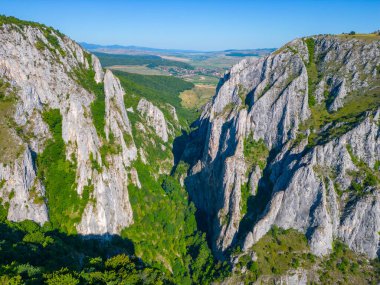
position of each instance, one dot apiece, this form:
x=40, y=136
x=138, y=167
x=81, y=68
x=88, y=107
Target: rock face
x=112, y=211
x=20, y=182
x=42, y=75
x=154, y=118
x=314, y=165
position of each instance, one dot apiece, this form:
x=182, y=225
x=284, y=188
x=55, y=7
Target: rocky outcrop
x=307, y=186
x=112, y=210
x=311, y=169
x=23, y=191
x=154, y=118
x=173, y=112
x=44, y=75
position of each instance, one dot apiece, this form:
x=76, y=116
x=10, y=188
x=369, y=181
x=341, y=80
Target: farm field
x=196, y=97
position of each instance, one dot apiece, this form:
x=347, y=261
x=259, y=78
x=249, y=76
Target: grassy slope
x=149, y=60
x=281, y=251
x=159, y=90
x=364, y=37
x=196, y=97
x=138, y=69
x=355, y=104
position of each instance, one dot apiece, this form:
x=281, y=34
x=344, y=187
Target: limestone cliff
x=293, y=140
x=42, y=70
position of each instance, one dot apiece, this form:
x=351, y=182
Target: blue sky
x=200, y=25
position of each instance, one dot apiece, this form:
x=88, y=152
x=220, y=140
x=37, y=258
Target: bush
x=255, y=153
x=312, y=71
x=40, y=45
x=62, y=277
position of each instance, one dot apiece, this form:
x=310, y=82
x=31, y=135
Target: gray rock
x=267, y=98
x=154, y=118
x=44, y=80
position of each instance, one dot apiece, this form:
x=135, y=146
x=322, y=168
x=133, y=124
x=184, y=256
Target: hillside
x=110, y=178
x=149, y=60
x=292, y=141
x=194, y=66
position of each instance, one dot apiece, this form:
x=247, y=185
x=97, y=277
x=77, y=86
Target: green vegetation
x=30, y=254
x=312, y=71
x=202, y=79
x=197, y=97
x=35, y=196
x=109, y=147
x=255, y=153
x=376, y=167
x=165, y=232
x=245, y=194
x=277, y=252
x=344, y=266
x=150, y=61
x=49, y=33
x=86, y=78
x=265, y=90
x=227, y=109
x=342, y=120
x=40, y=45
x=281, y=251
x=139, y=69
x=364, y=177
x=53, y=41
x=159, y=90
x=242, y=93
x=10, y=144
x=21, y=23
x=58, y=175
x=363, y=37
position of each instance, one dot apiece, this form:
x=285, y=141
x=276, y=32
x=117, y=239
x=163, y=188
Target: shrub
x=61, y=277
x=312, y=71
x=255, y=153
x=40, y=45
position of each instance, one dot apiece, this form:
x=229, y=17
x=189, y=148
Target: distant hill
x=96, y=47
x=119, y=49
x=151, y=61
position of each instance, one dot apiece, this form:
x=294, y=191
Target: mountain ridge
x=95, y=47
x=241, y=106
x=281, y=169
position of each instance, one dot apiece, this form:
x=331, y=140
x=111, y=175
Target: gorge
x=276, y=181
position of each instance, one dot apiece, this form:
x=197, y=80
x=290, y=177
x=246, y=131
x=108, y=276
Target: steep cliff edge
x=293, y=140
x=70, y=160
